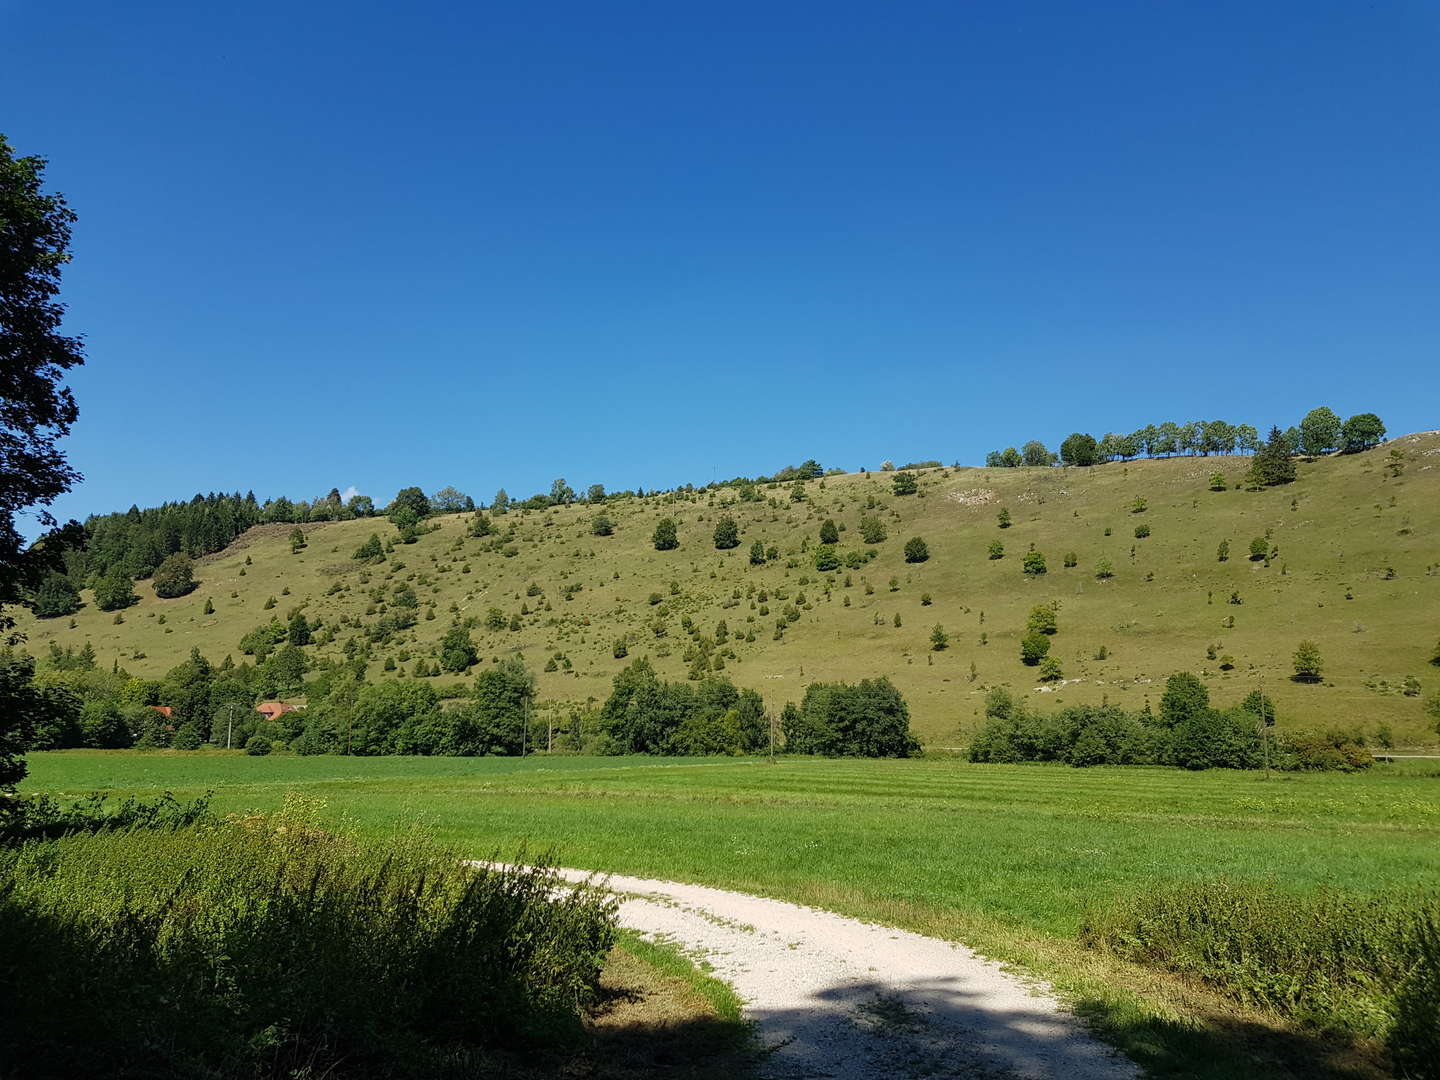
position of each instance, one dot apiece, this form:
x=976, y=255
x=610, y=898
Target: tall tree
x=727, y=533
x=1273, y=464
x=1079, y=449
x=1319, y=431
x=1034, y=453
x=36, y=410
x=1361, y=432
x=829, y=532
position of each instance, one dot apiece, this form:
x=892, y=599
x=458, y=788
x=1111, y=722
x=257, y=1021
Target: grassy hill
x=1356, y=569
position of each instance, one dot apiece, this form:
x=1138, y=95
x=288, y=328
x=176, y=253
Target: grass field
x=1006, y=858
x=1356, y=571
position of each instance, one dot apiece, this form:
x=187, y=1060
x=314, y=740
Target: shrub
x=1034, y=563
x=257, y=746
x=872, y=529
x=826, y=558
x=1142, y=531
x=916, y=550
x=665, y=537
x=1033, y=648
x=1339, y=962
x=601, y=525
x=1104, y=569
x=1259, y=548
x=1042, y=619
x=997, y=549
x=904, y=483
x=727, y=534
x=263, y=946
x=1308, y=662
x=174, y=577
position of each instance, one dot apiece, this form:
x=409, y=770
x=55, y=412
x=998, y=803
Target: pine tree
x=829, y=534
x=916, y=550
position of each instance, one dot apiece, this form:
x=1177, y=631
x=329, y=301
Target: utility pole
x=772, y=740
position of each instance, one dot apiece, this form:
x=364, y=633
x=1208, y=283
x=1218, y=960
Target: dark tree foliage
x=757, y=554
x=457, y=651
x=601, y=525
x=370, y=551
x=115, y=591
x=1361, y=432
x=1079, y=449
x=727, y=534
x=174, y=577
x=409, y=506
x=829, y=532
x=55, y=597
x=916, y=550
x=904, y=483
x=1274, y=463
x=665, y=537
x=36, y=409
x=645, y=715
x=137, y=541
x=868, y=719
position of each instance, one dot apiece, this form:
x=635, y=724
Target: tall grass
x=1352, y=966
x=264, y=946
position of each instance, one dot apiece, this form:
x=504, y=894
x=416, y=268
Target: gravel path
x=837, y=998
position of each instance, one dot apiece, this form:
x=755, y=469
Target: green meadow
x=1009, y=859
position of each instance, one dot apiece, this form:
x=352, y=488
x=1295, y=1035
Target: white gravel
x=834, y=997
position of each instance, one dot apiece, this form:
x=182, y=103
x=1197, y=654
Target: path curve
x=843, y=999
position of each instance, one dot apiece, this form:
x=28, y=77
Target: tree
x=115, y=591
x=595, y=493
x=872, y=529
x=174, y=577
x=1184, y=699
x=1034, y=647
x=1035, y=453
x=1042, y=619
x=1308, y=662
x=1010, y=458
x=1361, y=432
x=297, y=539
x=36, y=410
x=904, y=483
x=826, y=558
x=997, y=549
x=1273, y=463
x=1222, y=553
x=1217, y=481
x=450, y=500
x=298, y=632
x=457, y=651
x=1319, y=431
x=665, y=537
x=361, y=506
x=1079, y=449
x=601, y=525
x=1003, y=518
x=829, y=533
x=561, y=494
x=757, y=554
x=501, y=503
x=939, y=640
x=370, y=551
x=56, y=596
x=409, y=507
x=1034, y=563
x=1259, y=548
x=916, y=550
x=727, y=534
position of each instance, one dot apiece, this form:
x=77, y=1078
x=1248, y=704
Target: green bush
x=1352, y=965
x=266, y=947
x=257, y=746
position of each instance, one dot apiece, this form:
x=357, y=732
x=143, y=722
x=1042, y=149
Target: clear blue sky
x=372, y=245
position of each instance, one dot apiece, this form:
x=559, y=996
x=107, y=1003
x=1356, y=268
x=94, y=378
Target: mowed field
x=1006, y=858
x=1356, y=569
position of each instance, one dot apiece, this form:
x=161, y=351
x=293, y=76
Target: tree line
x=1320, y=432
x=1187, y=731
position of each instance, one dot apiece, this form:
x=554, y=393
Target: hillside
x=1355, y=568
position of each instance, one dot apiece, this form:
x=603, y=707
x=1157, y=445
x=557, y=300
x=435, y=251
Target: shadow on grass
x=1216, y=1046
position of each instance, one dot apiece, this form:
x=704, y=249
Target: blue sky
x=375, y=245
